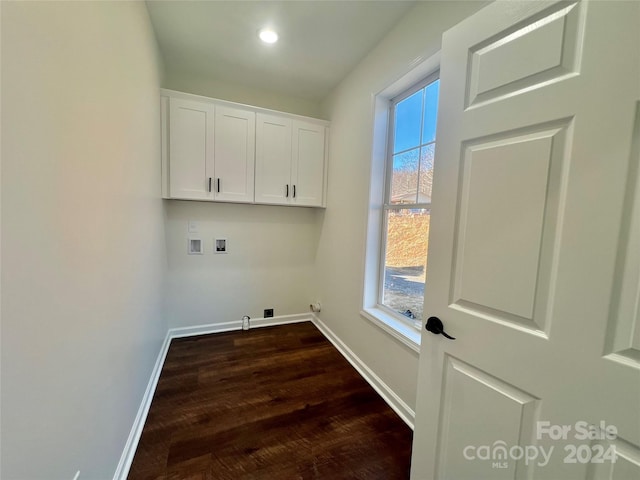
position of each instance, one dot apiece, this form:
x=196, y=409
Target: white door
x=234, y=157
x=190, y=149
x=307, y=174
x=534, y=259
x=273, y=159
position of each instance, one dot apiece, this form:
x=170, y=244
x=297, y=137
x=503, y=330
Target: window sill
x=401, y=331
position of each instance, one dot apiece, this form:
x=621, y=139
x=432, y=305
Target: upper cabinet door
x=234, y=155
x=191, y=149
x=273, y=159
x=308, y=165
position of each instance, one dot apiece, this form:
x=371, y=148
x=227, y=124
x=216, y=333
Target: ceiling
x=321, y=41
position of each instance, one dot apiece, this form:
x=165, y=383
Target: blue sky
x=408, y=118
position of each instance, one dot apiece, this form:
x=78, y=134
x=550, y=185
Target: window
x=404, y=131
x=407, y=199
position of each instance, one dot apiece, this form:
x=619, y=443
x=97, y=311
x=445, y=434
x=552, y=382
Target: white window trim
x=400, y=329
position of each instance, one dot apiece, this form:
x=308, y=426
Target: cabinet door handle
x=294, y=191
x=218, y=186
x=287, y=191
x=209, y=184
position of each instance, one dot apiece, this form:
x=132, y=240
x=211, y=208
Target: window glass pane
x=407, y=128
x=430, y=112
x=426, y=173
x=406, y=261
x=404, y=178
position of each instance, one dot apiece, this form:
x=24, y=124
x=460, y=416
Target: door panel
x=626, y=466
x=507, y=218
x=533, y=262
x=474, y=404
x=308, y=163
x=623, y=342
x=191, y=149
x=544, y=48
x=273, y=159
x=234, y=154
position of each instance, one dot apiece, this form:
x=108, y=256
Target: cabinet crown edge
x=168, y=93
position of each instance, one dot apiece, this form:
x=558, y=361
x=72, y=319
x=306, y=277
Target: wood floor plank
x=270, y=403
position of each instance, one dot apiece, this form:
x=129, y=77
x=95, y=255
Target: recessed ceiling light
x=268, y=36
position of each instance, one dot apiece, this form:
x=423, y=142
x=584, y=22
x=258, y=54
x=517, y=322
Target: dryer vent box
x=220, y=245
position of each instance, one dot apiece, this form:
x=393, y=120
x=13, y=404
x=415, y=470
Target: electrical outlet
x=268, y=312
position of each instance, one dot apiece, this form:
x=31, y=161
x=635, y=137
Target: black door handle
x=434, y=325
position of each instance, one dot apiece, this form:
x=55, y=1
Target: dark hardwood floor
x=269, y=403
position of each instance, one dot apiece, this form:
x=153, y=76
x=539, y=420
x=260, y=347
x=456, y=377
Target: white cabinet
x=273, y=159
x=308, y=163
x=214, y=150
x=190, y=149
x=290, y=161
x=211, y=150
x=234, y=151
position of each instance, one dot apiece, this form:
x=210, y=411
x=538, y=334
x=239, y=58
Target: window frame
x=389, y=321
x=386, y=200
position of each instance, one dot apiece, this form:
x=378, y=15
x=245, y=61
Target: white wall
x=269, y=264
x=191, y=82
x=272, y=249
x=83, y=246
x=339, y=271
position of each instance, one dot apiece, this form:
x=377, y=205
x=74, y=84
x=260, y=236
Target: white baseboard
x=136, y=430
x=182, y=332
x=281, y=320
x=389, y=396
x=394, y=401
